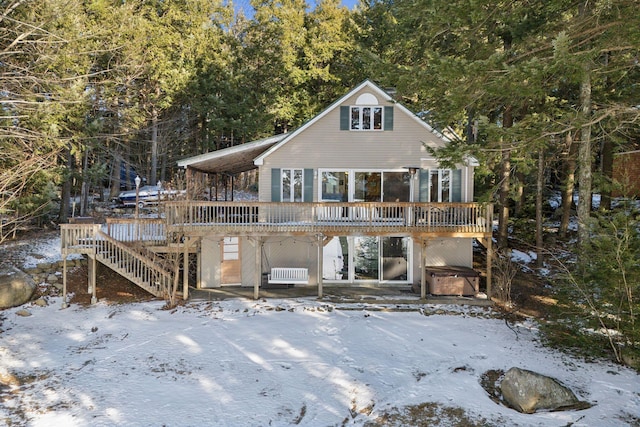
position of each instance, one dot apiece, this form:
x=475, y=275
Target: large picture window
x=365, y=186
x=335, y=186
x=366, y=118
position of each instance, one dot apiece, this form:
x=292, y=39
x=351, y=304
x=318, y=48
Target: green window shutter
x=456, y=185
x=344, y=117
x=308, y=185
x=388, y=118
x=275, y=185
x=423, y=185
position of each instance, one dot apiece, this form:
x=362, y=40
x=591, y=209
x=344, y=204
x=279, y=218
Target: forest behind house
x=545, y=94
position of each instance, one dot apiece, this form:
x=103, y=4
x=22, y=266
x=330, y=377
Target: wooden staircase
x=138, y=264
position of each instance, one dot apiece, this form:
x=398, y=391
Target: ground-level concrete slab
x=348, y=294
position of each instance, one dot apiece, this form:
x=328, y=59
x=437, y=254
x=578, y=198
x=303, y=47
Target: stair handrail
x=149, y=264
x=153, y=263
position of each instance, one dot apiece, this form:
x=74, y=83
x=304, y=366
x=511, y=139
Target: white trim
x=367, y=99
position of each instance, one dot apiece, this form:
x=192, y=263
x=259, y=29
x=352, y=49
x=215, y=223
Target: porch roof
x=232, y=160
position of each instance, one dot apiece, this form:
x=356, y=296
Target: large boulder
x=529, y=392
x=16, y=288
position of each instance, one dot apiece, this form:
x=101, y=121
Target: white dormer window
x=366, y=118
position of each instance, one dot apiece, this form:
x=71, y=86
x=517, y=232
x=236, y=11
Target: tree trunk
x=569, y=185
x=65, y=201
x=115, y=182
x=505, y=176
x=584, y=159
x=519, y=196
x=539, y=199
x=84, y=189
x=154, y=141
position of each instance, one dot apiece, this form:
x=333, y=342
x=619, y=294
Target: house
x=626, y=174
x=353, y=197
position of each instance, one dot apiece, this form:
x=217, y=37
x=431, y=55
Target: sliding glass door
x=364, y=186
x=367, y=259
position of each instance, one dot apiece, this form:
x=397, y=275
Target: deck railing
x=147, y=230
x=446, y=219
x=266, y=217
x=80, y=237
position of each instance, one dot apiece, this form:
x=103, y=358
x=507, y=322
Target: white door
x=231, y=272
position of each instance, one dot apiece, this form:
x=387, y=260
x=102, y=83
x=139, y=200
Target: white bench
x=288, y=276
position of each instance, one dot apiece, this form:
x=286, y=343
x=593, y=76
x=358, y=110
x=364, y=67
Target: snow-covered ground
x=279, y=363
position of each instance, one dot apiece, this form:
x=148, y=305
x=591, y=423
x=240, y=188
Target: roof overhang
x=232, y=160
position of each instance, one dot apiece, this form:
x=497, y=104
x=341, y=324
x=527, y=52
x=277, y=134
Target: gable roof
x=247, y=156
x=231, y=160
x=365, y=84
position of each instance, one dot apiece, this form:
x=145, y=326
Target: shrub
x=598, y=297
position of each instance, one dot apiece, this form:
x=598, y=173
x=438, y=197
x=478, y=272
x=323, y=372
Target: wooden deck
x=329, y=219
x=131, y=246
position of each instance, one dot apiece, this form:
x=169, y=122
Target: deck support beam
x=185, y=270
x=92, y=279
x=488, y=244
x=64, y=280
x=423, y=258
x=320, y=242
x=258, y=268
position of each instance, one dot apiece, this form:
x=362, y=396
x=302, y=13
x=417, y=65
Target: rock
x=631, y=360
x=41, y=302
x=45, y=266
x=16, y=288
x=529, y=392
x=52, y=278
x=23, y=312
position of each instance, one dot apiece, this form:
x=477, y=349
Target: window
x=368, y=187
x=365, y=186
x=366, y=118
x=440, y=188
x=335, y=186
x=292, y=185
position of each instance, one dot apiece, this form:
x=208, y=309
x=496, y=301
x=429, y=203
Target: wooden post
x=90, y=273
x=94, y=267
x=199, y=267
x=258, y=262
x=185, y=270
x=488, y=244
x=423, y=281
x=320, y=265
x=64, y=281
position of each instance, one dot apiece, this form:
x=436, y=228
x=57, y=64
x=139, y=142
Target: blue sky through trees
x=245, y=5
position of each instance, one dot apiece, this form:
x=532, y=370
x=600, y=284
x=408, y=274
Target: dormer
x=367, y=114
